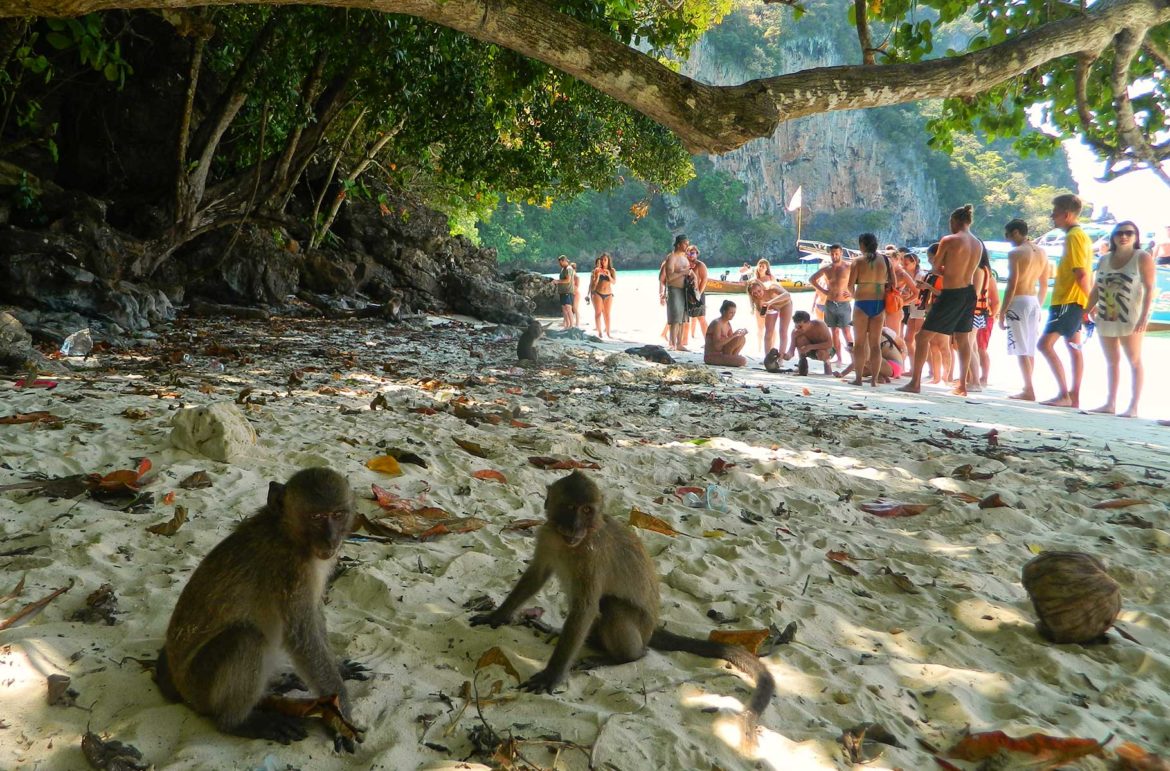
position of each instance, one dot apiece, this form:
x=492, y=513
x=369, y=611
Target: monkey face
x=573, y=507
x=326, y=530
x=575, y=524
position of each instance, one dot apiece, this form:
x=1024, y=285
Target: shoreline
x=949, y=645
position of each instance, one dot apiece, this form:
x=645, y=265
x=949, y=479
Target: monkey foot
x=272, y=726
x=352, y=670
x=542, y=682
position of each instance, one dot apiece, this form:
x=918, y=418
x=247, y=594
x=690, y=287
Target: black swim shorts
x=953, y=311
x=1064, y=320
x=566, y=299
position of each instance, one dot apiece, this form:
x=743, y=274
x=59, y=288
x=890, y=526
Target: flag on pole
x=794, y=204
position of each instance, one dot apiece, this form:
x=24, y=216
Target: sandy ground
x=928, y=633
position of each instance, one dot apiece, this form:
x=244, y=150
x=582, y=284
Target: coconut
x=1076, y=600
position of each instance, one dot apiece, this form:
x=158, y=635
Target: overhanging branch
x=714, y=118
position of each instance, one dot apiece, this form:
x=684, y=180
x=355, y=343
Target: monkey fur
x=258, y=592
x=526, y=348
x=613, y=594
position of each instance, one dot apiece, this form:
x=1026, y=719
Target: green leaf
x=58, y=41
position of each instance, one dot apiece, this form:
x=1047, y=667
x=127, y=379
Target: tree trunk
x=714, y=118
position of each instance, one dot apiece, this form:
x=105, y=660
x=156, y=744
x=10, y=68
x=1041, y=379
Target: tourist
x=835, y=288
x=1162, y=250
x=811, y=338
x=1121, y=300
x=722, y=345
x=905, y=291
x=1070, y=297
x=892, y=360
x=745, y=272
x=1019, y=315
x=986, y=309
x=576, y=295
x=913, y=314
x=763, y=271
x=953, y=311
x=696, y=294
x=601, y=284
x=566, y=285
x=869, y=277
x=672, y=277
x=773, y=306
x=929, y=284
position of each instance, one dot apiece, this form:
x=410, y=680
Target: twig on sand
x=32, y=609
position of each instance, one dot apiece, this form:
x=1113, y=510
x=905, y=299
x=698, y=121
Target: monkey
x=613, y=594
x=259, y=592
x=526, y=348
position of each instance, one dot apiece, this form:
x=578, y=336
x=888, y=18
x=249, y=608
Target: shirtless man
x=953, y=311
x=838, y=311
x=1162, y=250
x=567, y=287
x=1027, y=284
x=811, y=338
x=1070, y=297
x=674, y=276
x=722, y=346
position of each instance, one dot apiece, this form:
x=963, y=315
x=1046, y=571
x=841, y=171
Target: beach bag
x=893, y=299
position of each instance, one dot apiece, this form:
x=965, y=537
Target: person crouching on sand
x=722, y=346
x=811, y=338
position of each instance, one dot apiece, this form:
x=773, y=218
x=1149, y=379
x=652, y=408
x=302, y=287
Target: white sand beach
x=924, y=628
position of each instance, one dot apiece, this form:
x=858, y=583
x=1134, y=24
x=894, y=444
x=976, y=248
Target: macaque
x=613, y=593
x=526, y=348
x=256, y=594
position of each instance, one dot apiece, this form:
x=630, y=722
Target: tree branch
x=1126, y=49
x=1084, y=114
x=861, y=15
x=715, y=118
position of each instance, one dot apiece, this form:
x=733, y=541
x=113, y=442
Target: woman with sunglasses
x=1121, y=298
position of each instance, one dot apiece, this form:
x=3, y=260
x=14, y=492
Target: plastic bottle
x=668, y=409
x=693, y=500
x=80, y=343
x=716, y=498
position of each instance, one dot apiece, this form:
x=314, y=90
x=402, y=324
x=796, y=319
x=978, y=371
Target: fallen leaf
x=599, y=436
x=112, y=754
x=744, y=638
x=523, y=524
x=495, y=656
x=169, y=498
x=838, y=556
x=29, y=417
x=385, y=464
x=491, y=474
x=1130, y=520
x=472, y=448
x=645, y=521
x=964, y=497
x=1131, y=757
x=560, y=464
x=171, y=527
x=196, y=481
x=135, y=413
x=453, y=526
x=903, y=582
x=379, y=401
x=425, y=410
x=887, y=508
x=994, y=501
x=328, y=708
x=1054, y=750
x=682, y=491
x=60, y=694
x=719, y=466
x=514, y=390
x=1119, y=503
x=843, y=569
x=863, y=742
x=967, y=472
x=805, y=392
x=714, y=533
x=406, y=456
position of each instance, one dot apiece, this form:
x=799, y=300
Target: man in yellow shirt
x=1070, y=295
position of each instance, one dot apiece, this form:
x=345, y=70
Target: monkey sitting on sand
x=613, y=594
x=257, y=593
x=526, y=348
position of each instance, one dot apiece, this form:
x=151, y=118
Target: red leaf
x=559, y=464
x=425, y=410
x=143, y=467
x=682, y=491
x=887, y=508
x=169, y=498
x=720, y=466
x=491, y=474
x=980, y=746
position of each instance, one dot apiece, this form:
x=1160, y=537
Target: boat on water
x=715, y=286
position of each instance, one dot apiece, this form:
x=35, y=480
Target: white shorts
x=1023, y=326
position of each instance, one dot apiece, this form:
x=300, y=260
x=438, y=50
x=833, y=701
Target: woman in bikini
x=907, y=292
x=986, y=309
x=771, y=303
x=601, y=291
x=763, y=271
x=869, y=277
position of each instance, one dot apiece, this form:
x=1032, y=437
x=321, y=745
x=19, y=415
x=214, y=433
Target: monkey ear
x=276, y=495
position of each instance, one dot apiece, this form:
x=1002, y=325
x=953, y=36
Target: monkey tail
x=740, y=658
x=162, y=676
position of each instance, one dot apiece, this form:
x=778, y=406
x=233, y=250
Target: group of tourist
x=600, y=295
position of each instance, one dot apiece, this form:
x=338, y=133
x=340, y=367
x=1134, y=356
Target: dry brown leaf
x=497, y=657
x=328, y=708
x=887, y=508
x=472, y=448
x=645, y=521
x=490, y=474
x=994, y=501
x=29, y=417
x=135, y=413
x=558, y=464
x=1119, y=503
x=1054, y=750
x=169, y=498
x=1132, y=757
x=719, y=467
x=751, y=639
x=903, y=582
x=171, y=527
x=523, y=524
x=196, y=481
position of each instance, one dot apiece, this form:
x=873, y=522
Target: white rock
x=219, y=431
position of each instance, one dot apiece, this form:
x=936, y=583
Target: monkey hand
x=346, y=736
x=352, y=670
x=493, y=619
x=542, y=682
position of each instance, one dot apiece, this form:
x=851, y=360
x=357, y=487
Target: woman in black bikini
x=601, y=291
